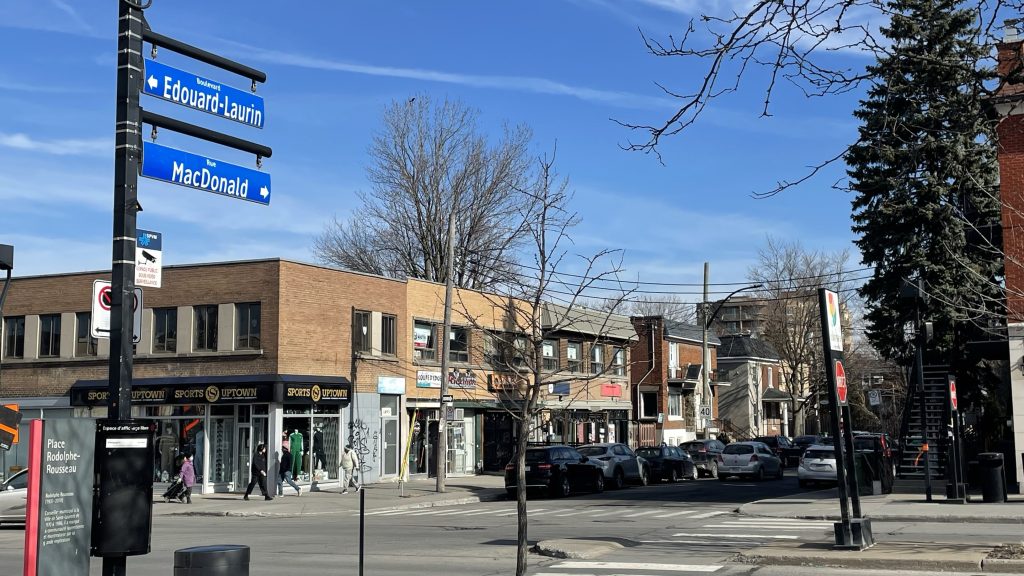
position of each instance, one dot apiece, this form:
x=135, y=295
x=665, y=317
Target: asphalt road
x=681, y=529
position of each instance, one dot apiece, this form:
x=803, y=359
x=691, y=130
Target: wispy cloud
x=55, y=16
x=75, y=17
x=514, y=83
x=60, y=147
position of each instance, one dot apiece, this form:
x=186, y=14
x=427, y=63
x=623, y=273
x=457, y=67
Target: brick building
x=666, y=379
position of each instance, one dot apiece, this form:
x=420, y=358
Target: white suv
x=818, y=464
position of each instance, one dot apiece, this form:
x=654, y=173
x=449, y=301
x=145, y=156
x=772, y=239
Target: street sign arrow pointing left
x=153, y=82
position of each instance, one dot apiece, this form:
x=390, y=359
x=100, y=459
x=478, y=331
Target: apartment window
x=49, y=335
x=772, y=410
x=247, y=326
x=165, y=330
x=596, y=359
x=574, y=354
x=388, y=334
x=85, y=344
x=675, y=404
x=458, y=345
x=205, y=328
x=549, y=350
x=673, y=359
x=619, y=362
x=14, y=337
x=648, y=404
x=362, y=335
x=424, y=346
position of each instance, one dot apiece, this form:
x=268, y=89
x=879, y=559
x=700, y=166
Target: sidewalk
x=381, y=496
x=824, y=505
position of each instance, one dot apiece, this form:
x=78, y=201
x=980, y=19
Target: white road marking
x=746, y=536
x=571, y=513
x=514, y=512
x=766, y=526
x=605, y=513
x=579, y=565
x=675, y=514
x=707, y=515
x=426, y=513
x=635, y=514
x=484, y=512
x=453, y=512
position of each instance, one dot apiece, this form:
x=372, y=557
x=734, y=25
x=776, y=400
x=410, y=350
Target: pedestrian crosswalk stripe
x=606, y=513
x=573, y=513
x=675, y=514
x=580, y=565
x=432, y=511
x=644, y=513
x=459, y=512
x=771, y=526
x=782, y=520
x=748, y=536
x=482, y=512
x=707, y=515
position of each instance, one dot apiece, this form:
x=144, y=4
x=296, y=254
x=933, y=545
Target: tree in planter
x=543, y=302
x=789, y=315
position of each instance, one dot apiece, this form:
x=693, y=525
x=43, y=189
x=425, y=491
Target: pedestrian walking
x=285, y=472
x=349, y=465
x=258, y=472
x=188, y=478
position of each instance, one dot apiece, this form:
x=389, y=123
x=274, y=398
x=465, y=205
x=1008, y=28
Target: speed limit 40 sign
x=102, y=300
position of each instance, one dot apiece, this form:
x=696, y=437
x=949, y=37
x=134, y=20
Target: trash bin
x=217, y=560
x=993, y=486
x=863, y=471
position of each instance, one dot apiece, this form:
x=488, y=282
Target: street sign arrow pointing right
x=264, y=192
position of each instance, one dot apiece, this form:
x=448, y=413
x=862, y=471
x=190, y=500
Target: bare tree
x=789, y=316
x=539, y=304
x=430, y=161
x=669, y=306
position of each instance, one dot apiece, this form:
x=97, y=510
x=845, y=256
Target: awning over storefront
x=284, y=388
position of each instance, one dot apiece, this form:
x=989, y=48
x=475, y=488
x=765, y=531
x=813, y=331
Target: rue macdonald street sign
x=203, y=94
x=195, y=171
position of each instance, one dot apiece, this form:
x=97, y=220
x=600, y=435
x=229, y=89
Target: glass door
x=221, y=457
x=244, y=452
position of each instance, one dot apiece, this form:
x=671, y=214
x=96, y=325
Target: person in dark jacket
x=285, y=472
x=259, y=472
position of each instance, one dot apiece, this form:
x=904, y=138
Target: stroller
x=176, y=491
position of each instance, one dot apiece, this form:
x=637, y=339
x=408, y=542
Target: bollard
x=217, y=560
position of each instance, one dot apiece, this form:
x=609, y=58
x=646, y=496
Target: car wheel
x=562, y=488
x=780, y=474
x=645, y=476
x=619, y=479
x=599, y=482
x=672, y=476
x=694, y=475
x=759, y=475
x=713, y=470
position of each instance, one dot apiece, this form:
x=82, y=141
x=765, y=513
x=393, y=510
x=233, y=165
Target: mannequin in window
x=295, y=445
x=167, y=446
x=319, y=461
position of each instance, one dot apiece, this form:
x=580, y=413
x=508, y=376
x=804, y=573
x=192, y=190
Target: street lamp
x=705, y=326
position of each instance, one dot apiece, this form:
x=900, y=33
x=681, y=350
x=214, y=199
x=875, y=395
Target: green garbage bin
x=863, y=469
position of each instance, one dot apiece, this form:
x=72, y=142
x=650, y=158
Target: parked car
x=13, y=498
x=620, y=464
x=557, y=470
x=818, y=464
x=668, y=463
x=704, y=454
x=751, y=459
x=805, y=441
x=783, y=447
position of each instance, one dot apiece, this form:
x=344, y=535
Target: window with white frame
x=648, y=404
x=619, y=362
x=675, y=404
x=596, y=358
x=673, y=359
x=574, y=354
x=423, y=341
x=549, y=349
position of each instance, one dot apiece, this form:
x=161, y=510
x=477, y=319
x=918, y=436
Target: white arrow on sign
x=153, y=82
x=264, y=192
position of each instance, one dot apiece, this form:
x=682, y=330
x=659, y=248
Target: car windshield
x=820, y=454
x=769, y=440
x=805, y=440
x=535, y=456
x=592, y=450
x=693, y=446
x=738, y=449
x=648, y=452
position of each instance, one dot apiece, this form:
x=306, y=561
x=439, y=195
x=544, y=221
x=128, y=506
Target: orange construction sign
x=4, y=427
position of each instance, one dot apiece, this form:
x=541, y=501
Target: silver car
x=13, y=498
x=751, y=459
x=619, y=463
x=818, y=464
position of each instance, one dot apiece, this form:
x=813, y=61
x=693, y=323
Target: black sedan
x=557, y=470
x=668, y=462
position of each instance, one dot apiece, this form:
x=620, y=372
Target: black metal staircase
x=911, y=469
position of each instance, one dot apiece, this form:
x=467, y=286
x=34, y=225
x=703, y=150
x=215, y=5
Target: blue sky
x=566, y=68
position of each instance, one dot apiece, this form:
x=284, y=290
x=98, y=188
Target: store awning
x=233, y=389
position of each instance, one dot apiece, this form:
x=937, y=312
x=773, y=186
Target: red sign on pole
x=952, y=394
x=841, y=389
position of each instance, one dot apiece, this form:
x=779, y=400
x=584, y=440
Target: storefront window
x=180, y=432
x=313, y=436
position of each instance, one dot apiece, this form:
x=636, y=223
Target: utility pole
x=705, y=353
x=449, y=284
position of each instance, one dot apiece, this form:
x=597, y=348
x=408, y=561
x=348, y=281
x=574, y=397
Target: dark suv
x=704, y=454
x=784, y=448
x=558, y=470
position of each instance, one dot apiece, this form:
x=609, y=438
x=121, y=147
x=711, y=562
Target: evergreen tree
x=924, y=172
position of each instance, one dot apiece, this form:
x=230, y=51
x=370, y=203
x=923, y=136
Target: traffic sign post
x=841, y=390
x=956, y=490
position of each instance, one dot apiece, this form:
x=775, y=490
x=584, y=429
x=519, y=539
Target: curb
x=574, y=549
x=1002, y=566
x=882, y=517
x=262, y=514
x=860, y=563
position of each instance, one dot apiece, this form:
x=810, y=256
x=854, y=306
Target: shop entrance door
x=221, y=457
x=391, y=445
x=244, y=455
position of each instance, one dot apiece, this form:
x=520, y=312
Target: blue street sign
x=203, y=94
x=195, y=171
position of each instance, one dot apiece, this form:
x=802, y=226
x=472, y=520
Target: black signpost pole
x=126, y=175
x=844, y=533
x=851, y=466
